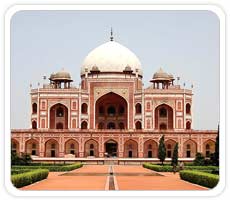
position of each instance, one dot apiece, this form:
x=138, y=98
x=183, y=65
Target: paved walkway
x=97, y=177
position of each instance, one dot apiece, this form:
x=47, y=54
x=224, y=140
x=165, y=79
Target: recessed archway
x=169, y=144
x=71, y=147
x=91, y=148
x=111, y=148
x=150, y=149
x=32, y=147
x=15, y=146
x=163, y=116
x=208, y=147
x=131, y=149
x=58, y=116
x=111, y=107
x=51, y=148
x=189, y=149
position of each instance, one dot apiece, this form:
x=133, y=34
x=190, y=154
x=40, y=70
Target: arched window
x=34, y=125
x=84, y=108
x=169, y=151
x=188, y=125
x=34, y=108
x=207, y=152
x=163, y=126
x=84, y=125
x=33, y=146
x=121, y=110
x=188, y=151
x=121, y=125
x=150, y=146
x=138, y=125
x=188, y=108
x=53, y=146
x=138, y=108
x=72, y=146
x=91, y=146
x=59, y=112
x=111, y=125
x=111, y=111
x=163, y=112
x=59, y=125
x=101, y=125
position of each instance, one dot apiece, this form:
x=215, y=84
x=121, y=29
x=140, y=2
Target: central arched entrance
x=111, y=112
x=59, y=116
x=111, y=148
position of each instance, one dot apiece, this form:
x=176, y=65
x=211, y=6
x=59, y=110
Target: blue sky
x=184, y=43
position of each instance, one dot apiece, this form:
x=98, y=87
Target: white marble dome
x=111, y=57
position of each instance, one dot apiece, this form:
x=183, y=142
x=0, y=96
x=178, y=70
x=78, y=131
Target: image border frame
x=7, y=138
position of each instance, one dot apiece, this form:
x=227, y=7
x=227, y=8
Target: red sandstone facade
x=111, y=113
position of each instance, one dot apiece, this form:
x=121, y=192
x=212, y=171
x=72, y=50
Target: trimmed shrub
x=158, y=168
x=54, y=168
x=200, y=178
x=28, y=178
x=211, y=168
x=20, y=171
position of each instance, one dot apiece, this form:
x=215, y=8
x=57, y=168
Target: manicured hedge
x=28, y=178
x=19, y=171
x=211, y=168
x=158, y=168
x=54, y=168
x=201, y=178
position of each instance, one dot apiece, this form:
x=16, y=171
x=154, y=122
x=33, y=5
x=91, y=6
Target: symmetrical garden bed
x=26, y=175
x=201, y=178
x=203, y=175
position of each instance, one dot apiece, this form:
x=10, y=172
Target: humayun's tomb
x=111, y=114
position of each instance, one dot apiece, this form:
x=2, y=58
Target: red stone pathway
x=167, y=182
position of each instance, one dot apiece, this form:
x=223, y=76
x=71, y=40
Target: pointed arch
x=131, y=149
x=163, y=116
x=58, y=115
x=51, y=148
x=150, y=149
x=169, y=144
x=189, y=149
x=72, y=147
x=91, y=148
x=32, y=147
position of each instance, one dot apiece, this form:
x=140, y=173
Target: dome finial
x=111, y=34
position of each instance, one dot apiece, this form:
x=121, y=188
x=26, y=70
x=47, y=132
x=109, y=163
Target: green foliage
x=24, y=159
x=199, y=160
x=201, y=168
x=162, y=150
x=216, y=154
x=54, y=168
x=19, y=171
x=24, y=179
x=175, y=155
x=158, y=168
x=201, y=178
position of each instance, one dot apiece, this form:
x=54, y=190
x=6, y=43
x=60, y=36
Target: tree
x=175, y=155
x=199, y=160
x=216, y=154
x=162, y=150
